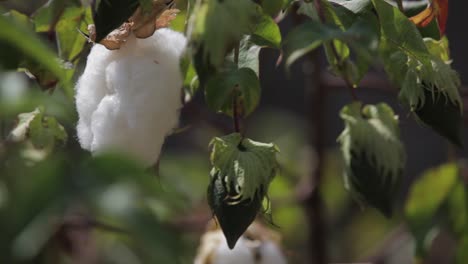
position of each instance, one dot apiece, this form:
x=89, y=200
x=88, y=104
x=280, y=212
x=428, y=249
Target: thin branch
x=341, y=67
x=236, y=106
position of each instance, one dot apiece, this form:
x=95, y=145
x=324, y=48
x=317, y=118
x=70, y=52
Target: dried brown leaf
x=116, y=38
x=164, y=20
x=144, y=22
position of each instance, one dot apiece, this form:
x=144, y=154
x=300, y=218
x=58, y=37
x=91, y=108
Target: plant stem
x=341, y=67
x=236, y=107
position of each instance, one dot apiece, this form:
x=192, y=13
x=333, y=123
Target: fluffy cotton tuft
x=214, y=250
x=128, y=100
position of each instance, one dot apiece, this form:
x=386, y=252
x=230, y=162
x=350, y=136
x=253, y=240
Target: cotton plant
x=128, y=97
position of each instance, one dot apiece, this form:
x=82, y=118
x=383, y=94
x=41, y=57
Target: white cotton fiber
x=128, y=100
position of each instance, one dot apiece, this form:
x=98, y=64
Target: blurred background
x=57, y=205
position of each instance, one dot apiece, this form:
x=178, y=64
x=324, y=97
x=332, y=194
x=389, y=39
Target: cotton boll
x=241, y=253
x=129, y=99
x=271, y=254
x=258, y=245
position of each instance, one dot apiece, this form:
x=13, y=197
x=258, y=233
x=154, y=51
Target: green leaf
x=242, y=171
x=110, y=14
x=266, y=32
x=462, y=250
x=233, y=217
x=243, y=164
x=43, y=131
x=426, y=197
x=457, y=207
x=373, y=153
x=438, y=48
x=352, y=67
x=22, y=40
x=46, y=17
x=221, y=89
x=219, y=25
x=191, y=82
x=408, y=61
x=70, y=41
x=355, y=6
x=426, y=81
x=360, y=36
x=273, y=7
x=20, y=132
x=306, y=38
x=248, y=56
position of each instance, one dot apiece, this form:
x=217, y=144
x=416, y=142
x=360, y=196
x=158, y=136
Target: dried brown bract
x=142, y=23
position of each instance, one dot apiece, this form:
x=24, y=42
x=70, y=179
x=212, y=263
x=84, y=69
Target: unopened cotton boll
x=128, y=100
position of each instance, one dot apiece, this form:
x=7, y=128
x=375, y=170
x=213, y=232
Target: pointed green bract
x=242, y=171
x=243, y=164
x=373, y=153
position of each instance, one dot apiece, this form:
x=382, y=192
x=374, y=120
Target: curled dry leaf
x=164, y=20
x=117, y=37
x=436, y=9
x=141, y=23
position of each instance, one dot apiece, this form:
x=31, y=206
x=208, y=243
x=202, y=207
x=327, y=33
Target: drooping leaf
x=373, y=154
x=426, y=197
x=234, y=217
x=221, y=90
x=242, y=171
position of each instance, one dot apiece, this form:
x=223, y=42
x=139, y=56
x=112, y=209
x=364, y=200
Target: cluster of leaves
x=353, y=34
